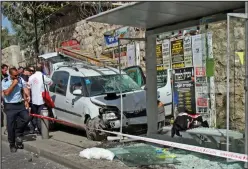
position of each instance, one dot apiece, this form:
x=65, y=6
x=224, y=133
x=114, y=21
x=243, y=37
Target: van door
x=165, y=91
x=58, y=93
x=136, y=73
x=76, y=103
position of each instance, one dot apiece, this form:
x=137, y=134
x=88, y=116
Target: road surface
x=25, y=160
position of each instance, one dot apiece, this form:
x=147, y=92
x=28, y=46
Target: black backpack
x=185, y=121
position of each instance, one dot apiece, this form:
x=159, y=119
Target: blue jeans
x=36, y=109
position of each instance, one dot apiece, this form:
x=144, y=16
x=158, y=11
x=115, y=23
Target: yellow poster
x=159, y=50
x=241, y=57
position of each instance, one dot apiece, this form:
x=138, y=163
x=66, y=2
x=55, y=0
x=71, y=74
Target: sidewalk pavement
x=64, y=148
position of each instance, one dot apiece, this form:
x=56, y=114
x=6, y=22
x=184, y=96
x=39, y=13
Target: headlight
x=108, y=115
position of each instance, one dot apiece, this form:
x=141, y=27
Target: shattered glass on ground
x=140, y=154
x=143, y=155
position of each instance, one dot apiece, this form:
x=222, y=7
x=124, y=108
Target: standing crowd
x=22, y=91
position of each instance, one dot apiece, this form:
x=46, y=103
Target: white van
x=90, y=96
x=54, y=60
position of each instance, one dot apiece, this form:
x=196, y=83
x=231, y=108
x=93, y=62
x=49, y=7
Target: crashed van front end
x=134, y=110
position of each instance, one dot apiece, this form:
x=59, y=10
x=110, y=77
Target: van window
x=60, y=82
x=77, y=83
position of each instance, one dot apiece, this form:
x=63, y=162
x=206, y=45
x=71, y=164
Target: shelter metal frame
x=244, y=16
x=152, y=31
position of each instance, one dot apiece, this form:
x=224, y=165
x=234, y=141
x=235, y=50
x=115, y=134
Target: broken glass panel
x=140, y=154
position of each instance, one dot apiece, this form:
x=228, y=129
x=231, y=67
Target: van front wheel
x=91, y=132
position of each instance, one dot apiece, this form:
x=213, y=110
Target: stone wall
x=12, y=55
x=237, y=72
x=90, y=35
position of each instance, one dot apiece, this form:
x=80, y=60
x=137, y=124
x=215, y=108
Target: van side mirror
x=77, y=92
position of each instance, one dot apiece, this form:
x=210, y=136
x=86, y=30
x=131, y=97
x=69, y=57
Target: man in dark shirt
x=4, y=73
x=20, y=70
x=26, y=73
x=32, y=70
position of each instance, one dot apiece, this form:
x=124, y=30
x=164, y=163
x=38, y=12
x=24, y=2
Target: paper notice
x=187, y=52
x=166, y=53
x=130, y=55
x=197, y=50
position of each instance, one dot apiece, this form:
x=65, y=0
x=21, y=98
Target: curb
x=51, y=156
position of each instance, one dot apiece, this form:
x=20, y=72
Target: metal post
x=44, y=125
x=246, y=83
x=151, y=85
x=119, y=48
x=228, y=81
x=135, y=52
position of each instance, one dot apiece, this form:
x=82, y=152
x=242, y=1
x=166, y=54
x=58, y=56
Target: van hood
x=132, y=101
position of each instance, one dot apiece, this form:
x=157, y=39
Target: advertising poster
x=177, y=53
x=161, y=76
x=184, y=90
x=201, y=90
x=188, y=56
x=159, y=54
x=131, y=55
x=111, y=37
x=166, y=53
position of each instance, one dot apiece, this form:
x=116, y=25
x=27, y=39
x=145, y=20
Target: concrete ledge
x=53, y=156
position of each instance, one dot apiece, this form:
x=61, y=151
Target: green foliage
x=7, y=39
x=25, y=15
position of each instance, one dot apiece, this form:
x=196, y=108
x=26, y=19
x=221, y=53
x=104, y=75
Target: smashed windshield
x=98, y=85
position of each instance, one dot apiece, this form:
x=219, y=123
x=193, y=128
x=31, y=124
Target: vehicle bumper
x=116, y=124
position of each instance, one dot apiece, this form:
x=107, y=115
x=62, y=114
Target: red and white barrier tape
x=208, y=151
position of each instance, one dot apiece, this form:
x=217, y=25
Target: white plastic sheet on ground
x=97, y=153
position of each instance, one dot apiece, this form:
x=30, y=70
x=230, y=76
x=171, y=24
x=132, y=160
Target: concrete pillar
x=44, y=125
x=151, y=84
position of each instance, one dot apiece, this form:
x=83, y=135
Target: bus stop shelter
x=160, y=17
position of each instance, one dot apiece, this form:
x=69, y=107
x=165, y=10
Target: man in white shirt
x=36, y=85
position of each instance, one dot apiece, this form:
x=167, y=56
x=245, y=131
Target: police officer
x=13, y=88
x=4, y=74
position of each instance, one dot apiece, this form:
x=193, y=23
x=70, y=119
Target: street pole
x=119, y=49
x=246, y=82
x=228, y=83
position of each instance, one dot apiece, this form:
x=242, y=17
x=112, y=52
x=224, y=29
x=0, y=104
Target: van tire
x=91, y=133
